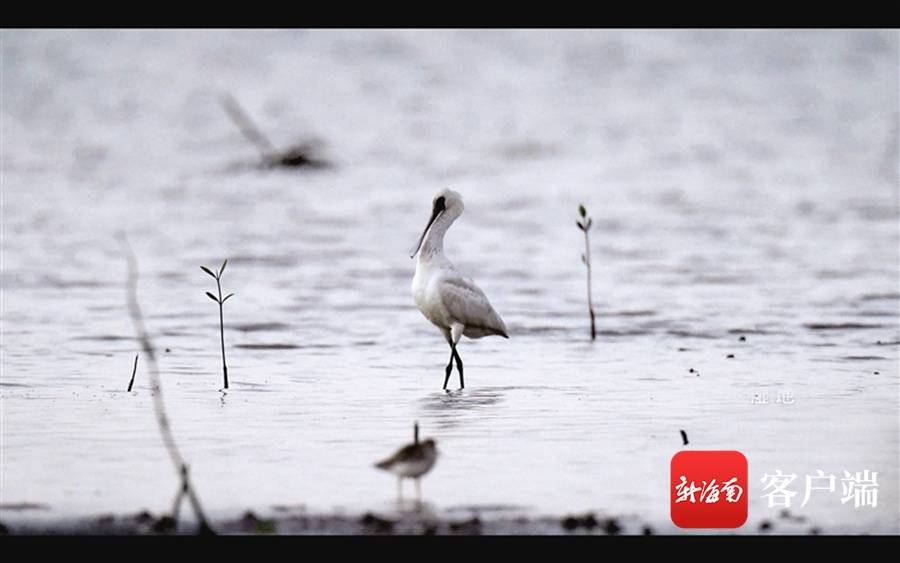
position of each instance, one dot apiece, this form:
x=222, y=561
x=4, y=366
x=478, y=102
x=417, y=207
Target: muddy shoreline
x=406, y=522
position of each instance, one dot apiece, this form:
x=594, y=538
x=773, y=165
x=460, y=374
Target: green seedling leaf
x=213, y=297
x=207, y=270
x=226, y=297
x=579, y=225
x=582, y=211
x=222, y=269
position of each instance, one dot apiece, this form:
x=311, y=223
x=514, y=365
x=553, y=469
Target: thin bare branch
x=585, y=226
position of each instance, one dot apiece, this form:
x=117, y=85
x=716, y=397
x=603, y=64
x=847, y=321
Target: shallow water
x=741, y=184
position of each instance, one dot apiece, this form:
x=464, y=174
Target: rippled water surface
x=744, y=196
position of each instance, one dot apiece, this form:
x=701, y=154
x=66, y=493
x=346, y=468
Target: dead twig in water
x=585, y=225
x=165, y=428
x=301, y=154
x=221, y=301
x=133, y=371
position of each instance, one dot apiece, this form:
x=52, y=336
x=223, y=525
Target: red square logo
x=709, y=489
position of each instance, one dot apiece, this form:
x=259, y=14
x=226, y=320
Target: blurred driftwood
x=185, y=489
x=297, y=155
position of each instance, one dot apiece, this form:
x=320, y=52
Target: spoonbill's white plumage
x=447, y=298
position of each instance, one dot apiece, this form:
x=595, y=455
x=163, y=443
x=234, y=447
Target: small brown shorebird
x=411, y=461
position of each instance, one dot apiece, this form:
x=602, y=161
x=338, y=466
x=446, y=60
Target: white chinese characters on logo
x=779, y=495
x=860, y=487
x=810, y=487
x=709, y=492
x=732, y=490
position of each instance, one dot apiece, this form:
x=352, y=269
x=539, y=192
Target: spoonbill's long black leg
x=449, y=367
x=459, y=367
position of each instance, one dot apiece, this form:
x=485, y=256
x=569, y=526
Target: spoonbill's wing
x=468, y=305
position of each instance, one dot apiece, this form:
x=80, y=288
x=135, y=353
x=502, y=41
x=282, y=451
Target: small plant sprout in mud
x=221, y=301
x=133, y=372
x=584, y=223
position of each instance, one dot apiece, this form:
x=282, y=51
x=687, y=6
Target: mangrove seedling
x=221, y=301
x=584, y=223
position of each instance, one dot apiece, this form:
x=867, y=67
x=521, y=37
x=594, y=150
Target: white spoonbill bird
x=451, y=301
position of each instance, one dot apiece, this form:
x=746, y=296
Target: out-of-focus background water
x=741, y=183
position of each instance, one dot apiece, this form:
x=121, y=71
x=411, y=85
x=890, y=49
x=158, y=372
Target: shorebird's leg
x=459, y=367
